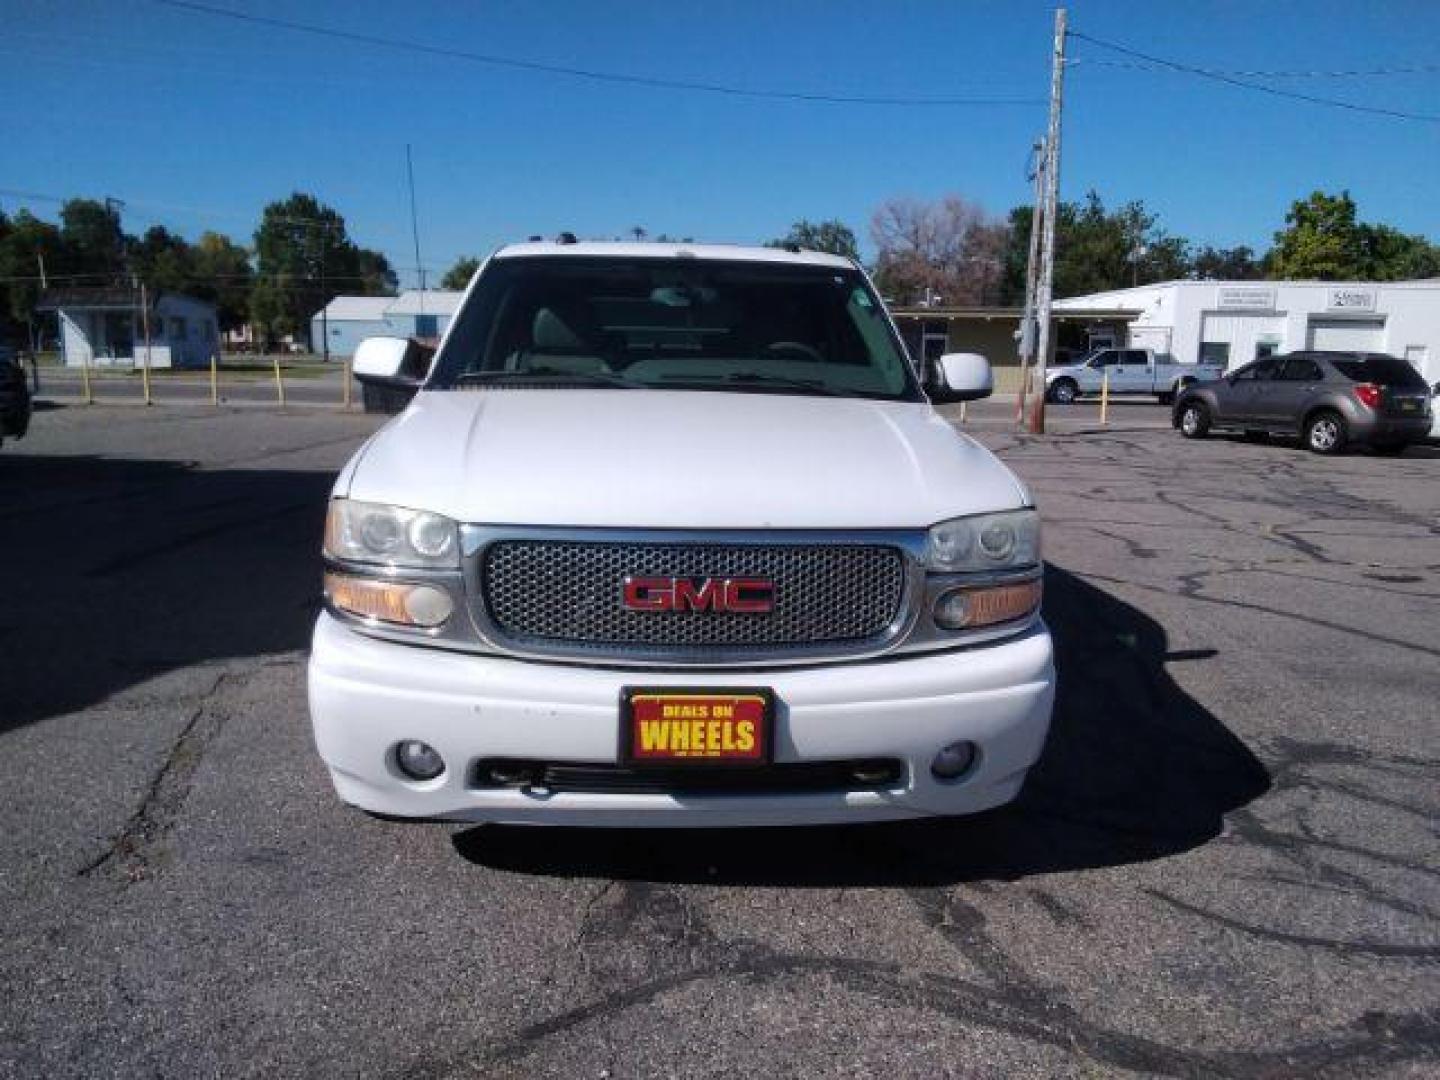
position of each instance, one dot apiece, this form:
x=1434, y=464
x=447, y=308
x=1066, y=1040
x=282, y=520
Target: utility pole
x=1027, y=322
x=145, y=322
x=1046, y=287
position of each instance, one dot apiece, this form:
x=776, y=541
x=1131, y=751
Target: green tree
x=1226, y=264
x=1322, y=240
x=459, y=275
x=163, y=261
x=222, y=274
x=26, y=241
x=305, y=259
x=1390, y=255
x=1096, y=249
x=832, y=236
x=93, y=238
x=374, y=273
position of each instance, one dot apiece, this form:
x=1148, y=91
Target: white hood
x=678, y=459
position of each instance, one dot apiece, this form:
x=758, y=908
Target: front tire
x=1325, y=433
x=1194, y=422
x=1064, y=392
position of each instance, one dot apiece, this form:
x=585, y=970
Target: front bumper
x=367, y=694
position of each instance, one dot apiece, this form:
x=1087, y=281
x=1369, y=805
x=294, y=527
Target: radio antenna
x=415, y=228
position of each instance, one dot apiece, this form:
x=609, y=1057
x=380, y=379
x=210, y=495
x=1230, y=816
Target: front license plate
x=673, y=726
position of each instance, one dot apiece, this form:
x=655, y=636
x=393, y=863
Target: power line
x=1230, y=80
x=584, y=73
x=1319, y=73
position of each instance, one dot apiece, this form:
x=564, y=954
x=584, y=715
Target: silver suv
x=1328, y=399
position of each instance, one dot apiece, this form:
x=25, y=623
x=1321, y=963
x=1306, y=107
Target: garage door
x=1360, y=335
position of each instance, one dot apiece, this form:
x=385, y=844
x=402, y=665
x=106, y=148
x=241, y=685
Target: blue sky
x=198, y=121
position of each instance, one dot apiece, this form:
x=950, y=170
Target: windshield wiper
x=546, y=377
x=758, y=380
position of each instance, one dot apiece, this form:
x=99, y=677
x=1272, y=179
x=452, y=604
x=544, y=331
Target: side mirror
x=961, y=377
x=390, y=370
x=384, y=359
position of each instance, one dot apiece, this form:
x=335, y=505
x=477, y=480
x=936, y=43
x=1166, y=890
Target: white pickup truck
x=672, y=535
x=1130, y=371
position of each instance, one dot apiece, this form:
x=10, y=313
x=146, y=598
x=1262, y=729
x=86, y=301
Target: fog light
x=952, y=609
x=418, y=760
x=954, y=760
x=428, y=606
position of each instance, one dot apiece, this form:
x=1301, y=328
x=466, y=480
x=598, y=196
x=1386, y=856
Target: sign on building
x=1246, y=298
x=1349, y=299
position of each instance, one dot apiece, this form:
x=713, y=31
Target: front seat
x=557, y=346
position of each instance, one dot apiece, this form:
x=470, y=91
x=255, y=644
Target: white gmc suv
x=671, y=535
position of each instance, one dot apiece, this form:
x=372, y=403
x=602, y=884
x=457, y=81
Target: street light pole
x=1047, y=259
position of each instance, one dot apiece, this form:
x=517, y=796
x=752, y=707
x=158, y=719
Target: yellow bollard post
x=214, y=380
x=85, y=378
x=279, y=382
x=1105, y=399
x=347, y=384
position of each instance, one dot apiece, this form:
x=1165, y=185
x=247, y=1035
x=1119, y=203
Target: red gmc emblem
x=751, y=596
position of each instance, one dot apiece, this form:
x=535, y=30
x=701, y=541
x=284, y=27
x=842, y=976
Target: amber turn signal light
x=403, y=603
x=972, y=609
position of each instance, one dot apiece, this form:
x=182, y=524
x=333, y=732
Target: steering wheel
x=807, y=351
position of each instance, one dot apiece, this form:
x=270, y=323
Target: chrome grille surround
x=550, y=593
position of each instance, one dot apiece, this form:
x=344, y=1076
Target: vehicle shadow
x=1416, y=451
x=118, y=570
x=1134, y=769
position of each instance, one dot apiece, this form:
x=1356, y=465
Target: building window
x=426, y=326
x=1215, y=352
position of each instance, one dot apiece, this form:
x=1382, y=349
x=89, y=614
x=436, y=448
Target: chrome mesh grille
x=570, y=592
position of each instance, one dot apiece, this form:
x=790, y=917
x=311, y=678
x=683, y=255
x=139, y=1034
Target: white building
x=1234, y=322
x=105, y=326
x=349, y=320
x=423, y=314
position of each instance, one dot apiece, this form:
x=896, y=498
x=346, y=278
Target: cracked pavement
x=1226, y=863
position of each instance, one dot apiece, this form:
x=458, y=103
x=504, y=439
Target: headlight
x=984, y=542
x=392, y=535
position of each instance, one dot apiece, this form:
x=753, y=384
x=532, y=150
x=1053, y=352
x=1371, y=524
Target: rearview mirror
x=961, y=377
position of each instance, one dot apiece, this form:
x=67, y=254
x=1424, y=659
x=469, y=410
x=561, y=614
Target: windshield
x=1381, y=369
x=675, y=324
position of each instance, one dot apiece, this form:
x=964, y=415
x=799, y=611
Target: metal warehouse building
x=1235, y=322
x=349, y=320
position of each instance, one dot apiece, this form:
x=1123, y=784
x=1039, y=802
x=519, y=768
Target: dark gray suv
x=1328, y=399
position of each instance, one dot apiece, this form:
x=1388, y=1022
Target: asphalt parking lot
x=1226, y=863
